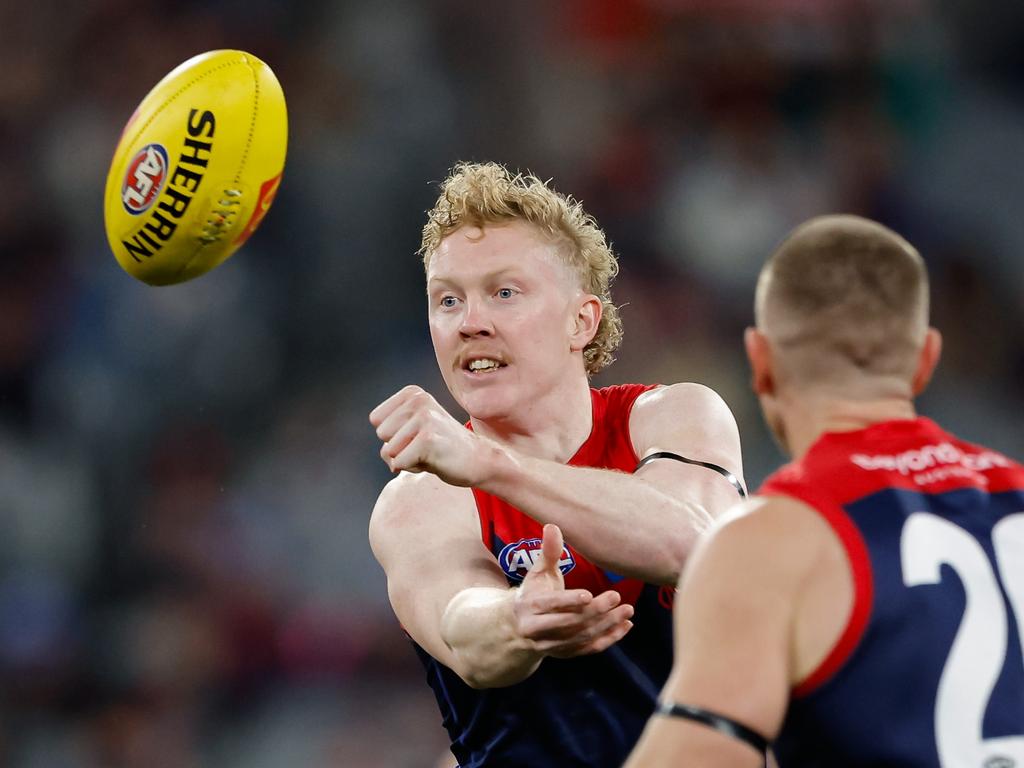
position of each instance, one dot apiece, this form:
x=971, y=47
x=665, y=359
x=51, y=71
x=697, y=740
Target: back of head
x=844, y=303
x=482, y=194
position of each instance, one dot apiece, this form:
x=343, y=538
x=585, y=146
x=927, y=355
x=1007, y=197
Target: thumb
x=550, y=550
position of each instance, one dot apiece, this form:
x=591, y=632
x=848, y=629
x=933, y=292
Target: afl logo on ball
x=517, y=558
x=144, y=179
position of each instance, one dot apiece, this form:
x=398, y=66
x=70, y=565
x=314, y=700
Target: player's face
x=502, y=308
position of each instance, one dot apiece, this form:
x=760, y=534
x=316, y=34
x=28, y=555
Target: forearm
x=619, y=521
x=479, y=629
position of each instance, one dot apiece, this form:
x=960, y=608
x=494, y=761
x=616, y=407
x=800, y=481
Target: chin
x=487, y=406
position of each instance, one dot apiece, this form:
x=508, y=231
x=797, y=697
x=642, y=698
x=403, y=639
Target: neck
x=553, y=427
x=808, y=417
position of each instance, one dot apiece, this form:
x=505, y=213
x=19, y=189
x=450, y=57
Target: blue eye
x=448, y=301
x=505, y=293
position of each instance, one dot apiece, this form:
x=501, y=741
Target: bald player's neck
x=809, y=414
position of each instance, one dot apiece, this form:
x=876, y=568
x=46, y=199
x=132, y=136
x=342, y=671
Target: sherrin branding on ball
x=197, y=167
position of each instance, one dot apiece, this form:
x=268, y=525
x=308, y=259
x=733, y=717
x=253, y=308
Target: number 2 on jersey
x=979, y=650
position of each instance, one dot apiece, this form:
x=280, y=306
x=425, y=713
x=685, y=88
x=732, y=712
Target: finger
x=574, y=631
x=553, y=601
x=607, y=640
x=550, y=552
x=578, y=601
x=382, y=411
x=595, y=644
x=551, y=545
x=606, y=601
x=399, y=416
x=603, y=624
x=400, y=440
x=387, y=407
x=411, y=457
x=554, y=626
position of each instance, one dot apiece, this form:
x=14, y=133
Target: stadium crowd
x=186, y=473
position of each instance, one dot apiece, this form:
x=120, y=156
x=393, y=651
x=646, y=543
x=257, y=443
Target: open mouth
x=483, y=365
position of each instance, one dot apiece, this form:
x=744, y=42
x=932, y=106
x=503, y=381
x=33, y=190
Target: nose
x=476, y=320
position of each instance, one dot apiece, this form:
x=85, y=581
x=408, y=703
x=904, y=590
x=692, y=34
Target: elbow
x=668, y=575
x=491, y=666
x=476, y=676
x=661, y=568
x=476, y=682
x=485, y=651
x=480, y=677
x=480, y=680
x=482, y=667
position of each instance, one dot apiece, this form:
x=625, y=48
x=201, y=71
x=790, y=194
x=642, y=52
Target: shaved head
x=844, y=303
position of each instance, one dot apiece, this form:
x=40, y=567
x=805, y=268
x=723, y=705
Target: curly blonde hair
x=477, y=194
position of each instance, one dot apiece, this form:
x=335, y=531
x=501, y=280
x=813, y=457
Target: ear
x=759, y=353
x=585, y=322
x=926, y=362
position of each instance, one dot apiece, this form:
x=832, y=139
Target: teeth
x=483, y=364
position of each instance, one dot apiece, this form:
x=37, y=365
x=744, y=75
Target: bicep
x=694, y=423
x=428, y=542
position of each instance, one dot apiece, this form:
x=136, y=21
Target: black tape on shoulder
x=707, y=464
x=720, y=723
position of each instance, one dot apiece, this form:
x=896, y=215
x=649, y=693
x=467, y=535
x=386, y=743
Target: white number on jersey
x=979, y=650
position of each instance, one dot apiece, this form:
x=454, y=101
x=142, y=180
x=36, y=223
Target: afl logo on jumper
x=517, y=558
x=144, y=179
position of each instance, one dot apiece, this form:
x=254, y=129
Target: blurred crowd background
x=186, y=473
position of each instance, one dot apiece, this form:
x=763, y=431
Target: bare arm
x=750, y=622
x=644, y=524
x=453, y=599
x=641, y=525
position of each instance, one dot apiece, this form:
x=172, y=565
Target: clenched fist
x=421, y=436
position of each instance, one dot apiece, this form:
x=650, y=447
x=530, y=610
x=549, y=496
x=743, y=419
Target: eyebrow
x=488, y=277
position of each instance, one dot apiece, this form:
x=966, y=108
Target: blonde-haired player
x=864, y=609
x=558, y=663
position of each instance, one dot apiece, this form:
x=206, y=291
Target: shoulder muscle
x=685, y=416
x=694, y=422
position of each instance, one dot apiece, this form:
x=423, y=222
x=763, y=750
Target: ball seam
x=252, y=123
x=245, y=154
x=180, y=91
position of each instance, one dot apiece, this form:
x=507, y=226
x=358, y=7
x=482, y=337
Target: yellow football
x=197, y=167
